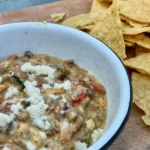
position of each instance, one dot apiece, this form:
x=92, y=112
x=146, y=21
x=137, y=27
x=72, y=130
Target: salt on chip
x=98, y=9
x=108, y=30
x=57, y=17
x=141, y=50
x=138, y=10
x=141, y=94
x=141, y=63
x=139, y=39
x=79, y=20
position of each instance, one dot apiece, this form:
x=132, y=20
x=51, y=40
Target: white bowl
x=88, y=52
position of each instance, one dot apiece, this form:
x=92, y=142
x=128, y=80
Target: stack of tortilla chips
x=124, y=25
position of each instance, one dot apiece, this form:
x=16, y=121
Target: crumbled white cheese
x=37, y=110
x=38, y=107
x=66, y=85
x=34, y=83
x=50, y=78
x=15, y=124
x=12, y=117
x=62, y=112
x=42, y=124
x=80, y=145
x=6, y=148
x=39, y=70
x=63, y=99
x=43, y=135
x=30, y=89
x=64, y=125
x=55, y=97
x=30, y=146
x=31, y=77
x=16, y=108
x=1, y=79
x=4, y=120
x=97, y=134
x=11, y=92
x=12, y=73
x=33, y=92
x=46, y=86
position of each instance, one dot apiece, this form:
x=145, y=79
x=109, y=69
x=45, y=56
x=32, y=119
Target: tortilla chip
x=137, y=24
x=79, y=20
x=141, y=94
x=125, y=24
x=135, y=30
x=132, y=22
x=146, y=119
x=140, y=50
x=87, y=27
x=108, y=30
x=99, y=9
x=141, y=91
x=139, y=39
x=138, y=10
x=57, y=17
x=141, y=63
x=129, y=44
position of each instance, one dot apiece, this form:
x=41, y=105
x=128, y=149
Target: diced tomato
x=97, y=87
x=80, y=98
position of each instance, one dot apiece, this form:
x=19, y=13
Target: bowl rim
x=126, y=117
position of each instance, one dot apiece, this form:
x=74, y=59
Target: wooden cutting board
x=136, y=135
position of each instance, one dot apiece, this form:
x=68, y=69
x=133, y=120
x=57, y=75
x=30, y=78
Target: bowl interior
x=88, y=52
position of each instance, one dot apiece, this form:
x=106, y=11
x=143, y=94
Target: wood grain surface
x=42, y=12
x=136, y=135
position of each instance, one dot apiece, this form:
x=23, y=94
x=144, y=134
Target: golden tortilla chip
x=108, y=30
x=98, y=9
x=79, y=20
x=135, y=30
x=124, y=25
x=141, y=50
x=146, y=119
x=141, y=94
x=132, y=22
x=57, y=17
x=138, y=10
x=137, y=24
x=129, y=44
x=86, y=27
x=139, y=39
x=141, y=63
